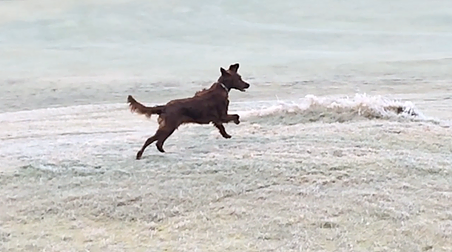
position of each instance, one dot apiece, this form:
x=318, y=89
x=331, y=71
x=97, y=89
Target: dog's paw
x=139, y=154
x=227, y=136
x=237, y=119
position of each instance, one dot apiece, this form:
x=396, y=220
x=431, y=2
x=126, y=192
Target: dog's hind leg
x=160, y=136
x=222, y=130
x=146, y=144
x=164, y=134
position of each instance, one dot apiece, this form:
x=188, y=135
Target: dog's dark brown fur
x=206, y=106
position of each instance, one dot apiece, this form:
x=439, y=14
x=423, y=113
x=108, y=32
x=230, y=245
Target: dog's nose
x=247, y=85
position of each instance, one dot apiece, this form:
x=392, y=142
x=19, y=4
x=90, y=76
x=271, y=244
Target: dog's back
x=204, y=107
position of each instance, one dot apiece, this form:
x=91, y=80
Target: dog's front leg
x=222, y=130
x=234, y=117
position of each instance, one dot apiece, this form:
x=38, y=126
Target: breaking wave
x=333, y=109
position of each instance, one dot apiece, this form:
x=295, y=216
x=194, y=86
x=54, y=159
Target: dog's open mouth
x=243, y=89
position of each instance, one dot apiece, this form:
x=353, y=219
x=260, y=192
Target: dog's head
x=231, y=79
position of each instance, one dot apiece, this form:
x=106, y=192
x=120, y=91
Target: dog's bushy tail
x=135, y=106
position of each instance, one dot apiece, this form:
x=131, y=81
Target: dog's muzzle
x=245, y=87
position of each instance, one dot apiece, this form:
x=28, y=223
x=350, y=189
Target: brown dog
x=206, y=106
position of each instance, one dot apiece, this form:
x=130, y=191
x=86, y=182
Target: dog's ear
x=224, y=72
x=234, y=67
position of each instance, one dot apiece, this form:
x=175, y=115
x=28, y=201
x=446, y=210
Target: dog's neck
x=224, y=87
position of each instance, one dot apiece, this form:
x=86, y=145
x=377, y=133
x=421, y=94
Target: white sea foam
x=361, y=105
